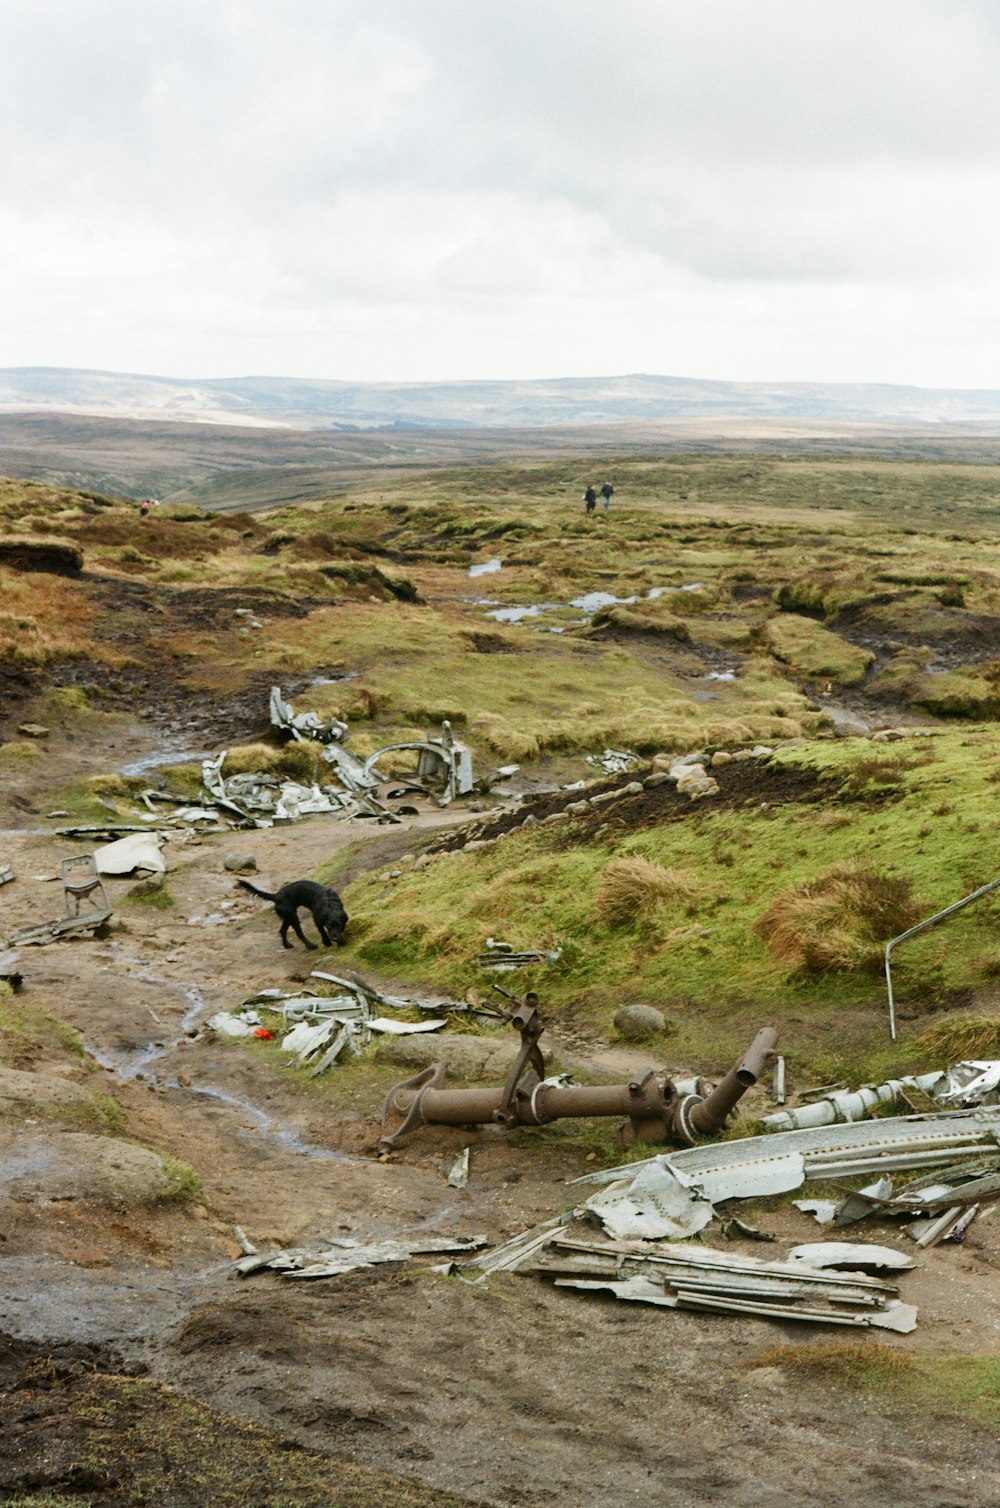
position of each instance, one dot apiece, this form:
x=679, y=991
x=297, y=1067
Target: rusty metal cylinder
x=707, y=1117
x=532, y=1105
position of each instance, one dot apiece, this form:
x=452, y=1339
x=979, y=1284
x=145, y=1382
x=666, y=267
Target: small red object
x=263, y=1033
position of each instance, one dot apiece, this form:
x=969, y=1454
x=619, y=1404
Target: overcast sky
x=425, y=189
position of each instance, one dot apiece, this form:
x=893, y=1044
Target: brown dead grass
x=962, y=1037
x=632, y=889
x=838, y=922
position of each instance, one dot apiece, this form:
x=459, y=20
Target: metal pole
x=930, y=921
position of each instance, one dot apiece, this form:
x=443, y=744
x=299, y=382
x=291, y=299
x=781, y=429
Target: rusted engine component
x=653, y=1110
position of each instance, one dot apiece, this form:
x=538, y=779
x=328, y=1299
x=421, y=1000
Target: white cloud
x=743, y=188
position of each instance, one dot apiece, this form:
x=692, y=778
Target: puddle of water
x=720, y=675
x=693, y=586
x=181, y=755
x=518, y=614
x=592, y=602
x=486, y=567
x=655, y=591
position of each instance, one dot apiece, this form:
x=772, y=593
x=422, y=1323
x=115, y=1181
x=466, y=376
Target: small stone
x=659, y=777
x=148, y=886
x=530, y=821
x=720, y=758
x=634, y=1022
x=760, y=751
x=475, y=844
x=235, y=863
x=575, y=808
x=555, y=817
x=33, y=730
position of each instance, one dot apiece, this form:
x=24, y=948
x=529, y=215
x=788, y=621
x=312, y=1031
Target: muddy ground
x=510, y=1394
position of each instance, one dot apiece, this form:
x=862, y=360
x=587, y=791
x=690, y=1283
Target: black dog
x=322, y=900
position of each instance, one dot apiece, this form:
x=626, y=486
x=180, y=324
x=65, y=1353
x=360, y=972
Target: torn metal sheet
x=822, y=1210
x=929, y=1232
x=6, y=874
x=770, y=1164
x=852, y=1254
x=331, y=1258
x=64, y=926
x=774, y=1175
x=702, y=1278
x=224, y=1024
x=830, y=1151
x=444, y=766
x=404, y=1028
x=653, y=1204
x=503, y=956
x=362, y=988
x=735, y=1229
x=510, y=1256
x=458, y=1174
x=344, y=1040
x=969, y=1083
x=128, y=855
x=613, y=761
x=305, y=1039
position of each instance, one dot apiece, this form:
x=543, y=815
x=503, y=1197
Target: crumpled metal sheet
x=654, y=1204
x=705, y=1279
x=138, y=851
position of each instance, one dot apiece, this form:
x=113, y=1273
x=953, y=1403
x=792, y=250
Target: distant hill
x=315, y=405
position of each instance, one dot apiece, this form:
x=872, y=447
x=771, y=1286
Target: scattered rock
x=575, y=808
x=890, y=735
x=658, y=777
x=634, y=1022
x=694, y=781
x=721, y=757
x=148, y=886
x=237, y=863
x=33, y=730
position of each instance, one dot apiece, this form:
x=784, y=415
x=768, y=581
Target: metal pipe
x=939, y=916
x=653, y=1110
x=708, y=1116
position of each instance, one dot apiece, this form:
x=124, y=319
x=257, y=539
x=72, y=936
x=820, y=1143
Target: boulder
x=77, y=1165
x=695, y=781
x=636, y=1022
x=469, y=1058
x=239, y=863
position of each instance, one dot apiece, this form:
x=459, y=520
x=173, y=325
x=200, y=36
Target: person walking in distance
x=590, y=498
x=607, y=492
